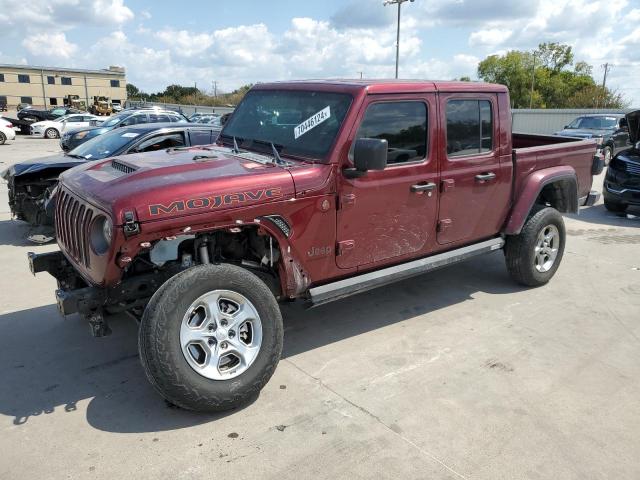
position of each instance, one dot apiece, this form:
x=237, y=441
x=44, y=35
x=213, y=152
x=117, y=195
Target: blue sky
x=245, y=41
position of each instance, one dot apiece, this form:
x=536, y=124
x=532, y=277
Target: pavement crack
x=377, y=419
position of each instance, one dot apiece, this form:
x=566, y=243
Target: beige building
x=49, y=86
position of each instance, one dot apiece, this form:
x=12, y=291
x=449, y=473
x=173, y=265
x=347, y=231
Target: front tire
x=51, y=133
x=3, y=138
x=607, y=153
x=534, y=255
x=211, y=337
x=614, y=206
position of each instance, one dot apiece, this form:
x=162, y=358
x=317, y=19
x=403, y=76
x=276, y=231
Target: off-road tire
x=520, y=249
x=3, y=138
x=615, y=207
x=51, y=133
x=605, y=150
x=159, y=339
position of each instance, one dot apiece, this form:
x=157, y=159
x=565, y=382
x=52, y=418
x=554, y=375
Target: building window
x=28, y=100
x=51, y=80
x=3, y=101
x=1, y=77
x=115, y=83
x=53, y=101
x=23, y=79
x=469, y=127
x=66, y=81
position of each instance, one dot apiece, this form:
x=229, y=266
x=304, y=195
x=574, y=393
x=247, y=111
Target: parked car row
x=126, y=118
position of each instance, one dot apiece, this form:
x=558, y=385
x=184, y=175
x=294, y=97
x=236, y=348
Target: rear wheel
x=534, y=255
x=51, y=133
x=211, y=337
x=3, y=138
x=614, y=206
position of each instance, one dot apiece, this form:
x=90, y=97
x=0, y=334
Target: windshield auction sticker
x=312, y=122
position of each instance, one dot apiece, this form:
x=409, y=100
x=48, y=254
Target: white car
x=55, y=128
x=6, y=131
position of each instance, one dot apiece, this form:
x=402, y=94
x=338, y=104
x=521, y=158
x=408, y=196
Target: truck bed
x=535, y=152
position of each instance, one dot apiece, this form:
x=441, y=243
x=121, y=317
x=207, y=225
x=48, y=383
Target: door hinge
x=344, y=246
x=448, y=184
x=444, y=224
x=347, y=200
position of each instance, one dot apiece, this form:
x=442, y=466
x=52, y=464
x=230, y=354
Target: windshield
x=594, y=123
x=62, y=119
x=298, y=123
x=105, y=145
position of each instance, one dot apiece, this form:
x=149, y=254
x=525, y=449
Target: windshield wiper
x=235, y=149
x=75, y=155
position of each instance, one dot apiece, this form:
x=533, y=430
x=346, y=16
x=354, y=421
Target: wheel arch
x=556, y=187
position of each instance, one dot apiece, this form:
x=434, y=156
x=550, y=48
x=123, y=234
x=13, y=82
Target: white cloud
x=46, y=45
x=490, y=37
x=112, y=11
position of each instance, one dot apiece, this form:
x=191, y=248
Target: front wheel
x=607, y=153
x=615, y=206
x=534, y=255
x=3, y=138
x=211, y=337
x=51, y=133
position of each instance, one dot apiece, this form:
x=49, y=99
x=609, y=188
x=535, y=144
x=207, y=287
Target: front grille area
x=121, y=167
x=73, y=223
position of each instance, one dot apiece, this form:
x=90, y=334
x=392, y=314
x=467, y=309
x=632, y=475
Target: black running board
x=361, y=283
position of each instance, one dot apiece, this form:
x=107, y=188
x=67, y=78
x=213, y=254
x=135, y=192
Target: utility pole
x=533, y=79
x=399, y=3
x=214, y=86
x=606, y=67
x=360, y=74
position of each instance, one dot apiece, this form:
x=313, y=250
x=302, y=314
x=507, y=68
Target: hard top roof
x=385, y=85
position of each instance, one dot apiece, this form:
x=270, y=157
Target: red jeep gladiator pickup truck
x=316, y=190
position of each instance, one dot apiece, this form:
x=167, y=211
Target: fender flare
x=533, y=185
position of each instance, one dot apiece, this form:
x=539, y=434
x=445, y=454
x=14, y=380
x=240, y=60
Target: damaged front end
x=75, y=295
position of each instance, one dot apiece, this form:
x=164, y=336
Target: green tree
x=557, y=81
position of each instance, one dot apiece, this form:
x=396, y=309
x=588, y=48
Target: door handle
x=485, y=177
x=423, y=187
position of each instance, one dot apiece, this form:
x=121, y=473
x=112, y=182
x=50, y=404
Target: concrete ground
x=455, y=374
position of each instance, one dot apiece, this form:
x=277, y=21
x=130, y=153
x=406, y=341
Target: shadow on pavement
x=16, y=233
x=598, y=214
x=49, y=364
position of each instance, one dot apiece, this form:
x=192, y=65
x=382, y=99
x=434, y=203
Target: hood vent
x=122, y=167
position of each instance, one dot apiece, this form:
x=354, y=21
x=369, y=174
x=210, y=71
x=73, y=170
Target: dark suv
x=609, y=129
x=128, y=118
x=622, y=183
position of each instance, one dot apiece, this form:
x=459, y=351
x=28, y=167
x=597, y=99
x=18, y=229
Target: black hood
x=584, y=132
x=633, y=121
x=39, y=164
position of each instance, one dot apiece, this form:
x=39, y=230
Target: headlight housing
x=101, y=234
x=599, y=140
x=81, y=135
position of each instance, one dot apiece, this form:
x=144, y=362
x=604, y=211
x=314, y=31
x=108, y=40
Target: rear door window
x=469, y=127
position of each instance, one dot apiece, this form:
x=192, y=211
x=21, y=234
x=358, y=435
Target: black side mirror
x=368, y=154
